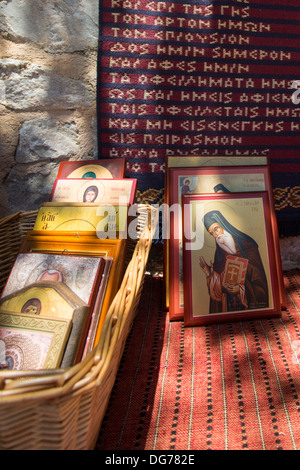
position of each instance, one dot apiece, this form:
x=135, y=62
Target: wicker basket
x=63, y=409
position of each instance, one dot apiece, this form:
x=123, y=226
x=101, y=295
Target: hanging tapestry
x=201, y=78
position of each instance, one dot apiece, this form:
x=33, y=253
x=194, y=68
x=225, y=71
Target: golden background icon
x=91, y=171
x=51, y=297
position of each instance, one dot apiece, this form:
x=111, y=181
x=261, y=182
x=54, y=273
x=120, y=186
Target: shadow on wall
x=47, y=93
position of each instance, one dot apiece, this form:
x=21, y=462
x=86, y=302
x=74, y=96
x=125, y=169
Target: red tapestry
x=231, y=386
x=201, y=78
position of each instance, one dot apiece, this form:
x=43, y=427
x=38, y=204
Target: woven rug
x=201, y=78
x=230, y=386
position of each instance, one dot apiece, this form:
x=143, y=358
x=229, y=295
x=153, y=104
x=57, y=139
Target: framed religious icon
x=99, y=191
x=52, y=299
x=214, y=160
x=37, y=241
x=31, y=342
x=44, y=298
x=211, y=180
x=110, y=168
x=82, y=274
x=107, y=220
x=83, y=245
x=229, y=267
x=199, y=161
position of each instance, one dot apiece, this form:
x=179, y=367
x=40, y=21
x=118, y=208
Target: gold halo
x=87, y=184
x=98, y=170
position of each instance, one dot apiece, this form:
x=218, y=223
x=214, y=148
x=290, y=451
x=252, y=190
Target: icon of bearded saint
x=253, y=293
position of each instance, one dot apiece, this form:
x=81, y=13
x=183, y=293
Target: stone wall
x=48, y=60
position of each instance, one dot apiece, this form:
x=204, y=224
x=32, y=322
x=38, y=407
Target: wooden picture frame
x=194, y=161
x=207, y=298
x=108, y=168
x=98, y=191
x=85, y=245
x=185, y=161
x=207, y=180
x=31, y=342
